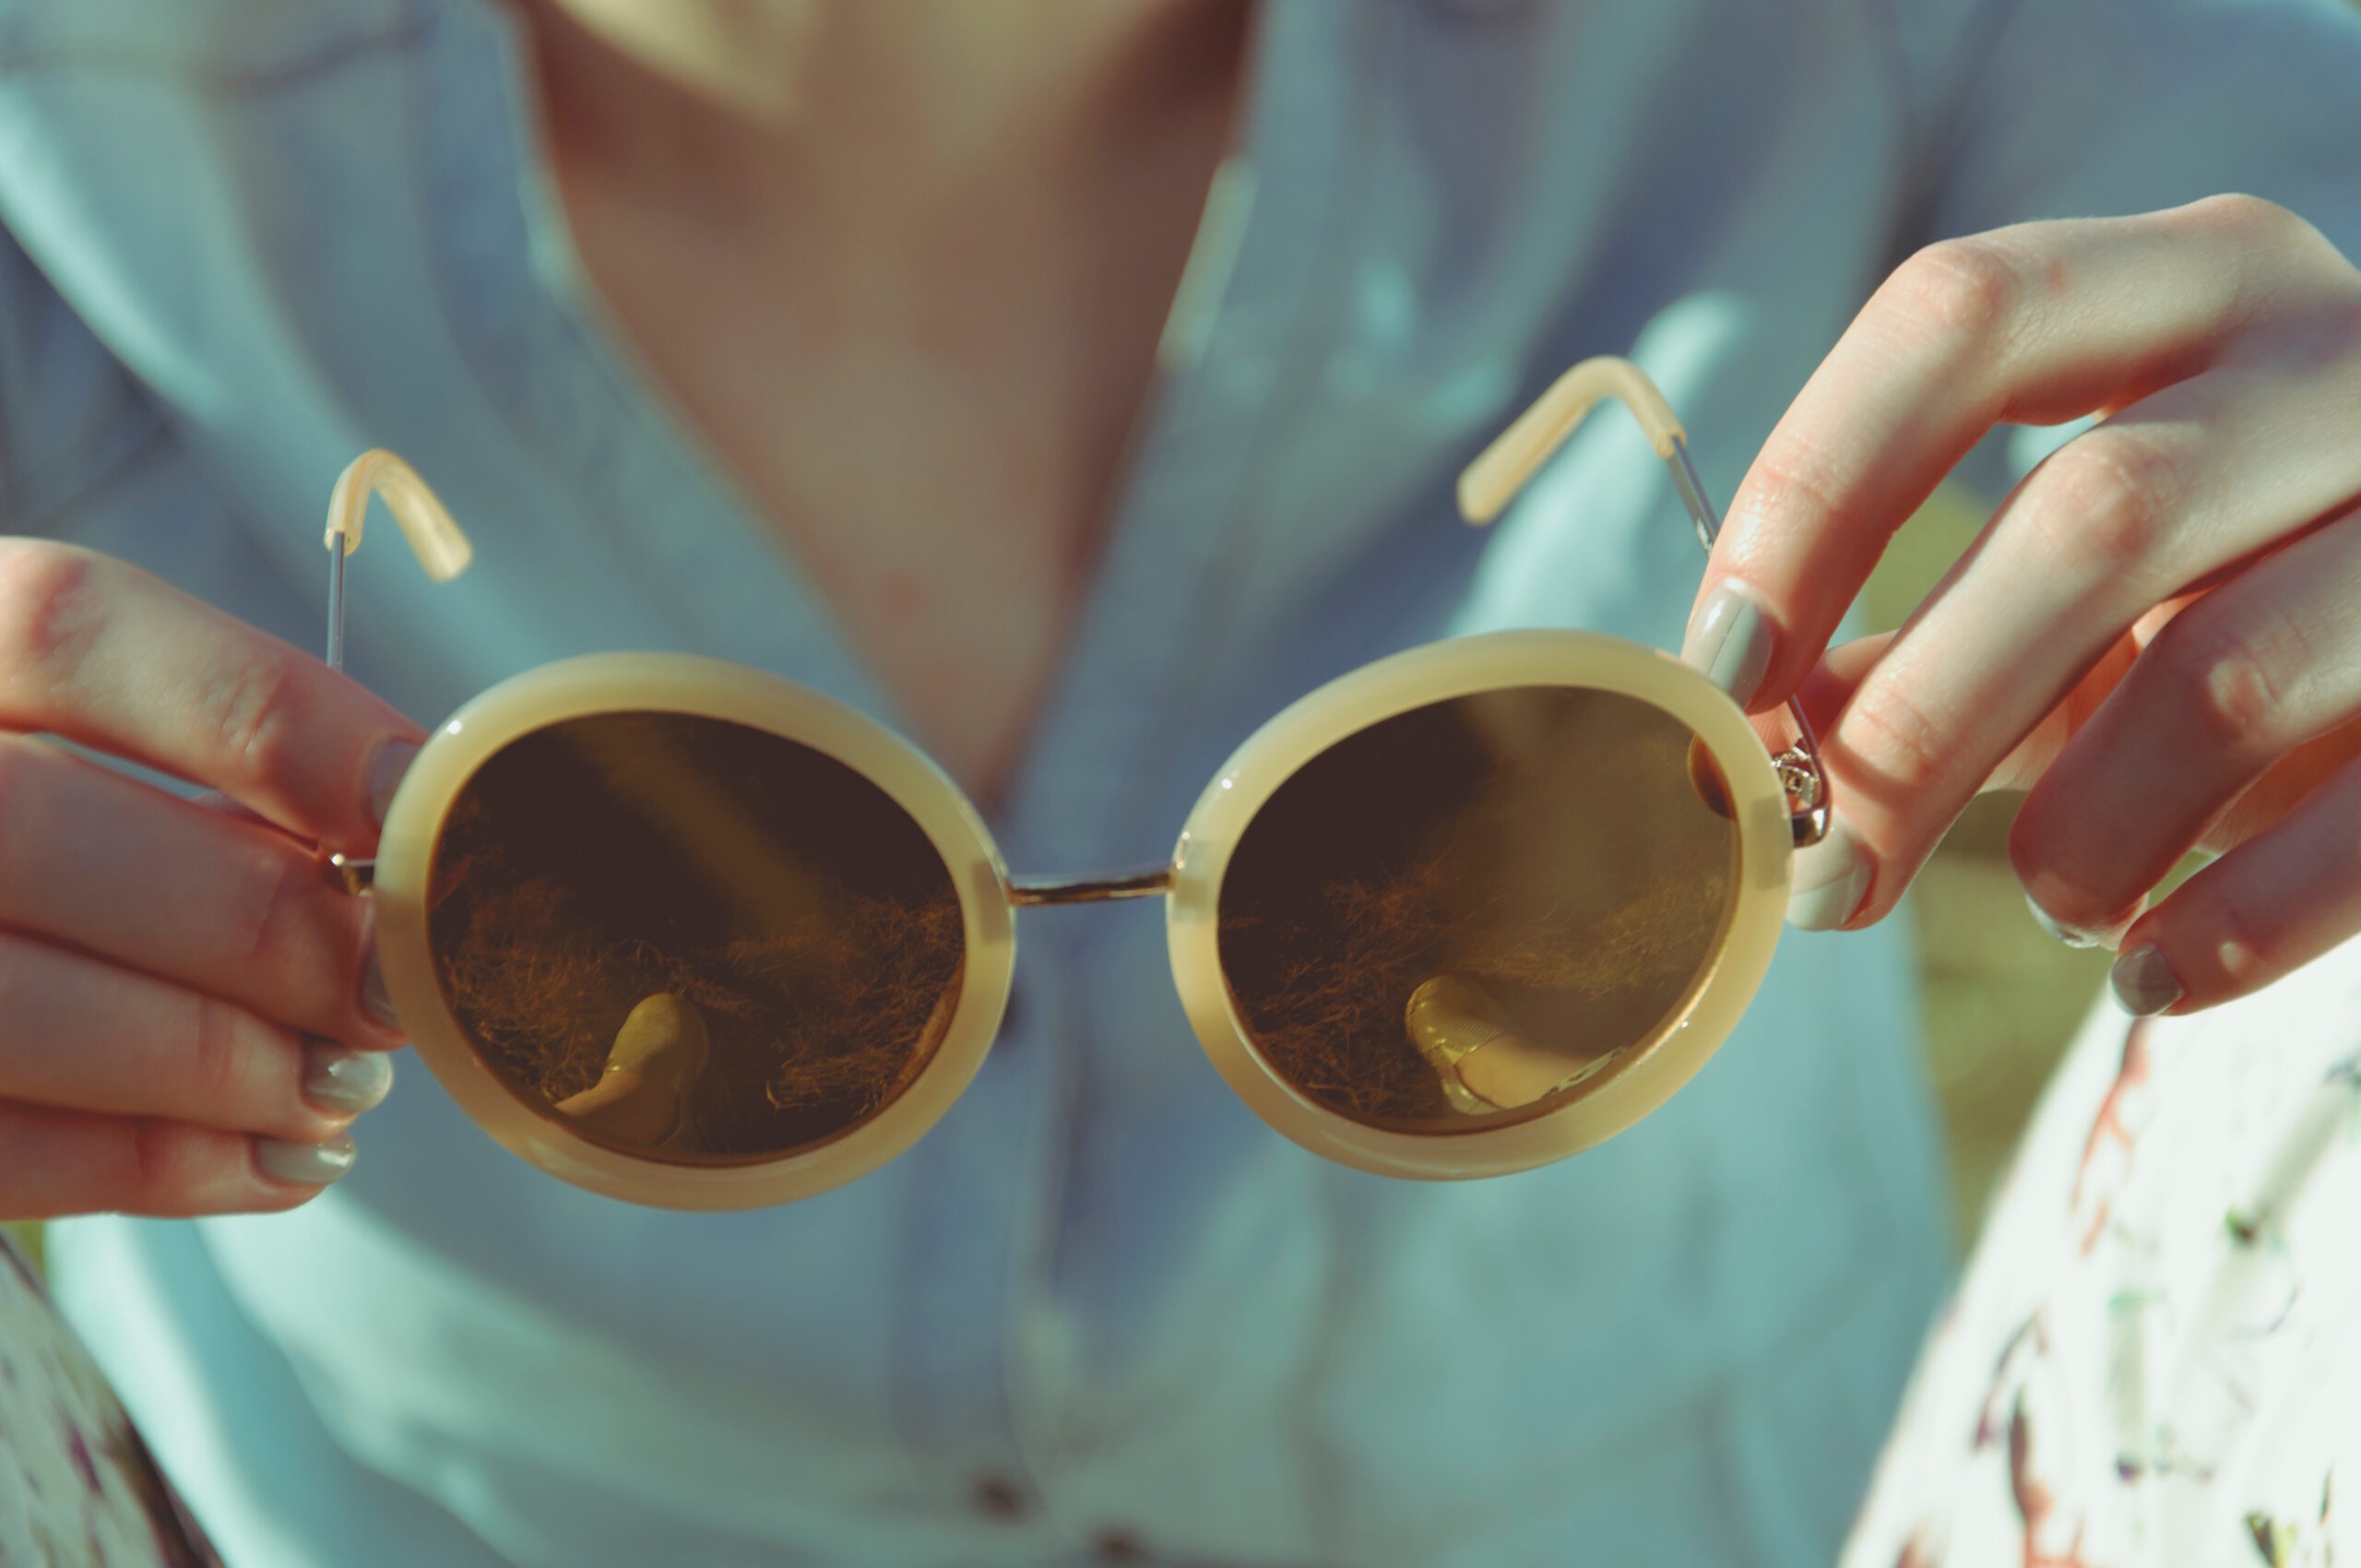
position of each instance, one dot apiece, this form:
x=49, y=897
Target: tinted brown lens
x=690, y=940
x=1474, y=912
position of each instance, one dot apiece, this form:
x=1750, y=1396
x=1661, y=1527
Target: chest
x=937, y=477
x=930, y=421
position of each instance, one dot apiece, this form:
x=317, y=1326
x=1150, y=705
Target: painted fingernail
x=1730, y=642
x=374, y=998
x=343, y=1082
x=2144, y=982
x=386, y=776
x=304, y=1165
x=1832, y=877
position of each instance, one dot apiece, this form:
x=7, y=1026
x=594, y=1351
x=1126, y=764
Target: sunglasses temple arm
x=434, y=538
x=336, y=608
x=1487, y=485
x=1685, y=480
x=441, y=547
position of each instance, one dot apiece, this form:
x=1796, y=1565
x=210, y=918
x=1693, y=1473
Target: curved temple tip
x=441, y=547
x=1487, y=484
x=1484, y=490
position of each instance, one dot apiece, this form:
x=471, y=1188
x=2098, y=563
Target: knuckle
x=216, y=1057
x=1970, y=290
x=250, y=711
x=1893, y=738
x=2237, y=697
x=2280, y=264
x=1794, y=479
x=2109, y=501
x=49, y=608
x=2247, y=217
x=270, y=911
x=2241, y=686
x=2242, y=942
x=164, y=1166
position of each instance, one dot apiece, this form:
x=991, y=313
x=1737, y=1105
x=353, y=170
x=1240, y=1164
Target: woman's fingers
x=2247, y=441
x=2263, y=665
x=175, y=976
x=99, y=652
x=63, y=1162
x=2264, y=910
x=76, y=1034
x=1831, y=685
x=102, y=862
x=2036, y=324
x=2202, y=475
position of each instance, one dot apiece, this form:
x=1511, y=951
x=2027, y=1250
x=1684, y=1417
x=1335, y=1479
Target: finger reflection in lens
x=647, y=1096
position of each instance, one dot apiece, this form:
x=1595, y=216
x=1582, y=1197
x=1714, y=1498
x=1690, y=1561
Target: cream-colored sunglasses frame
x=1776, y=804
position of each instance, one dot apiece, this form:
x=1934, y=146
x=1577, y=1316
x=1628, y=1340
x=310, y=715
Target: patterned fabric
x=76, y=1486
x=2155, y=1357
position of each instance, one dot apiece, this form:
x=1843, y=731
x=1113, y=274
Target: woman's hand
x=182, y=1022
x=2159, y=633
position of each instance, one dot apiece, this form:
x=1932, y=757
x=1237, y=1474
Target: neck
x=695, y=92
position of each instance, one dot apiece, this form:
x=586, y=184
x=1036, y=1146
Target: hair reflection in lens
x=691, y=940
x=1474, y=912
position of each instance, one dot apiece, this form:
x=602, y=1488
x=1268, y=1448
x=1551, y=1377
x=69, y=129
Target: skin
x=904, y=268
x=2159, y=633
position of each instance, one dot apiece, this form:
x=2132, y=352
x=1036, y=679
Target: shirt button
x=997, y=1497
x=1119, y=1545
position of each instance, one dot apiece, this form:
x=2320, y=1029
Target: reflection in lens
x=1480, y=911
x=691, y=940
x=642, y=1099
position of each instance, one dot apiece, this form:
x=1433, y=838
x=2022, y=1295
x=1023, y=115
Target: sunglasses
x=688, y=934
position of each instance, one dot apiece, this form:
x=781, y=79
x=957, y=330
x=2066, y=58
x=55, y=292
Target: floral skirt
x=77, y=1489
x=2155, y=1355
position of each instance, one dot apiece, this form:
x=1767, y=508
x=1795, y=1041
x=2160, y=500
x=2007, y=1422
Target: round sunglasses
x=688, y=934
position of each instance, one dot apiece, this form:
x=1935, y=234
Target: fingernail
x=304, y=1165
x=1832, y=877
x=2107, y=936
x=343, y=1082
x=386, y=776
x=2144, y=982
x=1730, y=642
x=2057, y=929
x=374, y=999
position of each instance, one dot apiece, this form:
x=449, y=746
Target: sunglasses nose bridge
x=1148, y=881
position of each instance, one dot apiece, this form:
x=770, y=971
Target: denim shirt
x=1101, y=1313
